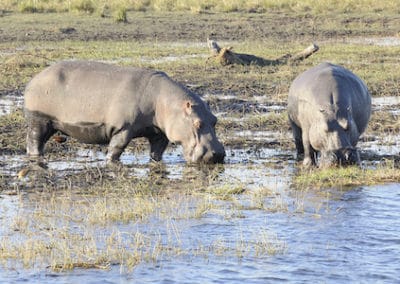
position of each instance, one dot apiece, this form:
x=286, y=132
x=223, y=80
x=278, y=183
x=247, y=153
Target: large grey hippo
x=329, y=108
x=98, y=103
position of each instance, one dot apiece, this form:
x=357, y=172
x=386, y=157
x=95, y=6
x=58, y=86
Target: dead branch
x=225, y=56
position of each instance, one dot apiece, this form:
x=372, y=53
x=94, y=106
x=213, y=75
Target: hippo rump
x=329, y=108
x=97, y=103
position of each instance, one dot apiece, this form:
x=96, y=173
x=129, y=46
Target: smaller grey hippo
x=98, y=103
x=329, y=108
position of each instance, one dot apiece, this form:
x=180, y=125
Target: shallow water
x=344, y=236
x=355, y=240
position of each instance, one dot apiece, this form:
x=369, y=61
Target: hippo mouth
x=343, y=157
x=348, y=156
x=205, y=156
x=209, y=158
x=217, y=158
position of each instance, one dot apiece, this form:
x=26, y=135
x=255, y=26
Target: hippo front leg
x=39, y=132
x=309, y=152
x=297, y=134
x=117, y=145
x=158, y=144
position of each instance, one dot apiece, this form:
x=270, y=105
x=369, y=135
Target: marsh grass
x=124, y=223
x=271, y=121
x=11, y=141
x=348, y=177
x=384, y=121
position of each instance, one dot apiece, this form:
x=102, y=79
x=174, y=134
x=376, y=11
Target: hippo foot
x=155, y=158
x=299, y=157
x=114, y=165
x=307, y=163
x=36, y=162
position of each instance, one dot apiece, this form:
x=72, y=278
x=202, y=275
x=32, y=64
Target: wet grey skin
x=98, y=103
x=329, y=107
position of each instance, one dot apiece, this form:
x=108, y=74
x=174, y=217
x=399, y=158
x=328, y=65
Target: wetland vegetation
x=81, y=215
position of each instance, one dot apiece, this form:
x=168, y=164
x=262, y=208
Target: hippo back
x=75, y=92
x=326, y=85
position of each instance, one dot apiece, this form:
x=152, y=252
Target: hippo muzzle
x=345, y=156
x=207, y=150
x=208, y=156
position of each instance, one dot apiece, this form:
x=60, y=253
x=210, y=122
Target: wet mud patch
x=233, y=104
x=254, y=131
x=10, y=101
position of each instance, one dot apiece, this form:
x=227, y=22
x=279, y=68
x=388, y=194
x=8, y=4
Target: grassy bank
x=259, y=6
x=348, y=177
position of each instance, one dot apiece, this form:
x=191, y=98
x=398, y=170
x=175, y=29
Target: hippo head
x=334, y=135
x=343, y=156
x=193, y=126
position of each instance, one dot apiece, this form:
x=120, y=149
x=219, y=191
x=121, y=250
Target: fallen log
x=225, y=56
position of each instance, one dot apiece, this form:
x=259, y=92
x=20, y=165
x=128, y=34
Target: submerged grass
x=123, y=223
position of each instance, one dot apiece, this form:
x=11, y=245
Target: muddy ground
x=172, y=27
x=245, y=98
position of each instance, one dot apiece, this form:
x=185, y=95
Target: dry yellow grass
x=260, y=6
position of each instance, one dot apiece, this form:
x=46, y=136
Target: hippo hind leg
x=158, y=144
x=39, y=132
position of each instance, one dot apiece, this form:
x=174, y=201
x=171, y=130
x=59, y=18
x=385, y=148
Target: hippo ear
x=188, y=107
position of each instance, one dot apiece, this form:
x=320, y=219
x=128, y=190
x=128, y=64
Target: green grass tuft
x=347, y=176
x=120, y=15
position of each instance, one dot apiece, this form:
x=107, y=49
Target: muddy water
x=338, y=235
